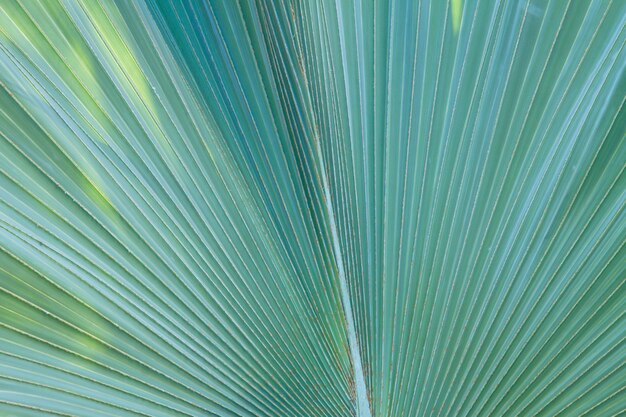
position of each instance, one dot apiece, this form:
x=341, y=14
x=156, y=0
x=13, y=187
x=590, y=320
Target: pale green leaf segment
x=312, y=208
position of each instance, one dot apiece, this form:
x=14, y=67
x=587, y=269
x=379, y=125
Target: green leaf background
x=312, y=208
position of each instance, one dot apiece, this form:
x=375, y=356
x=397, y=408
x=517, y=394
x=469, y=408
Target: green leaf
x=333, y=208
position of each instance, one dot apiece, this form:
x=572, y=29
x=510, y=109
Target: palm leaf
x=372, y=208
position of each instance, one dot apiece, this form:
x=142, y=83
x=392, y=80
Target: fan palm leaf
x=333, y=208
